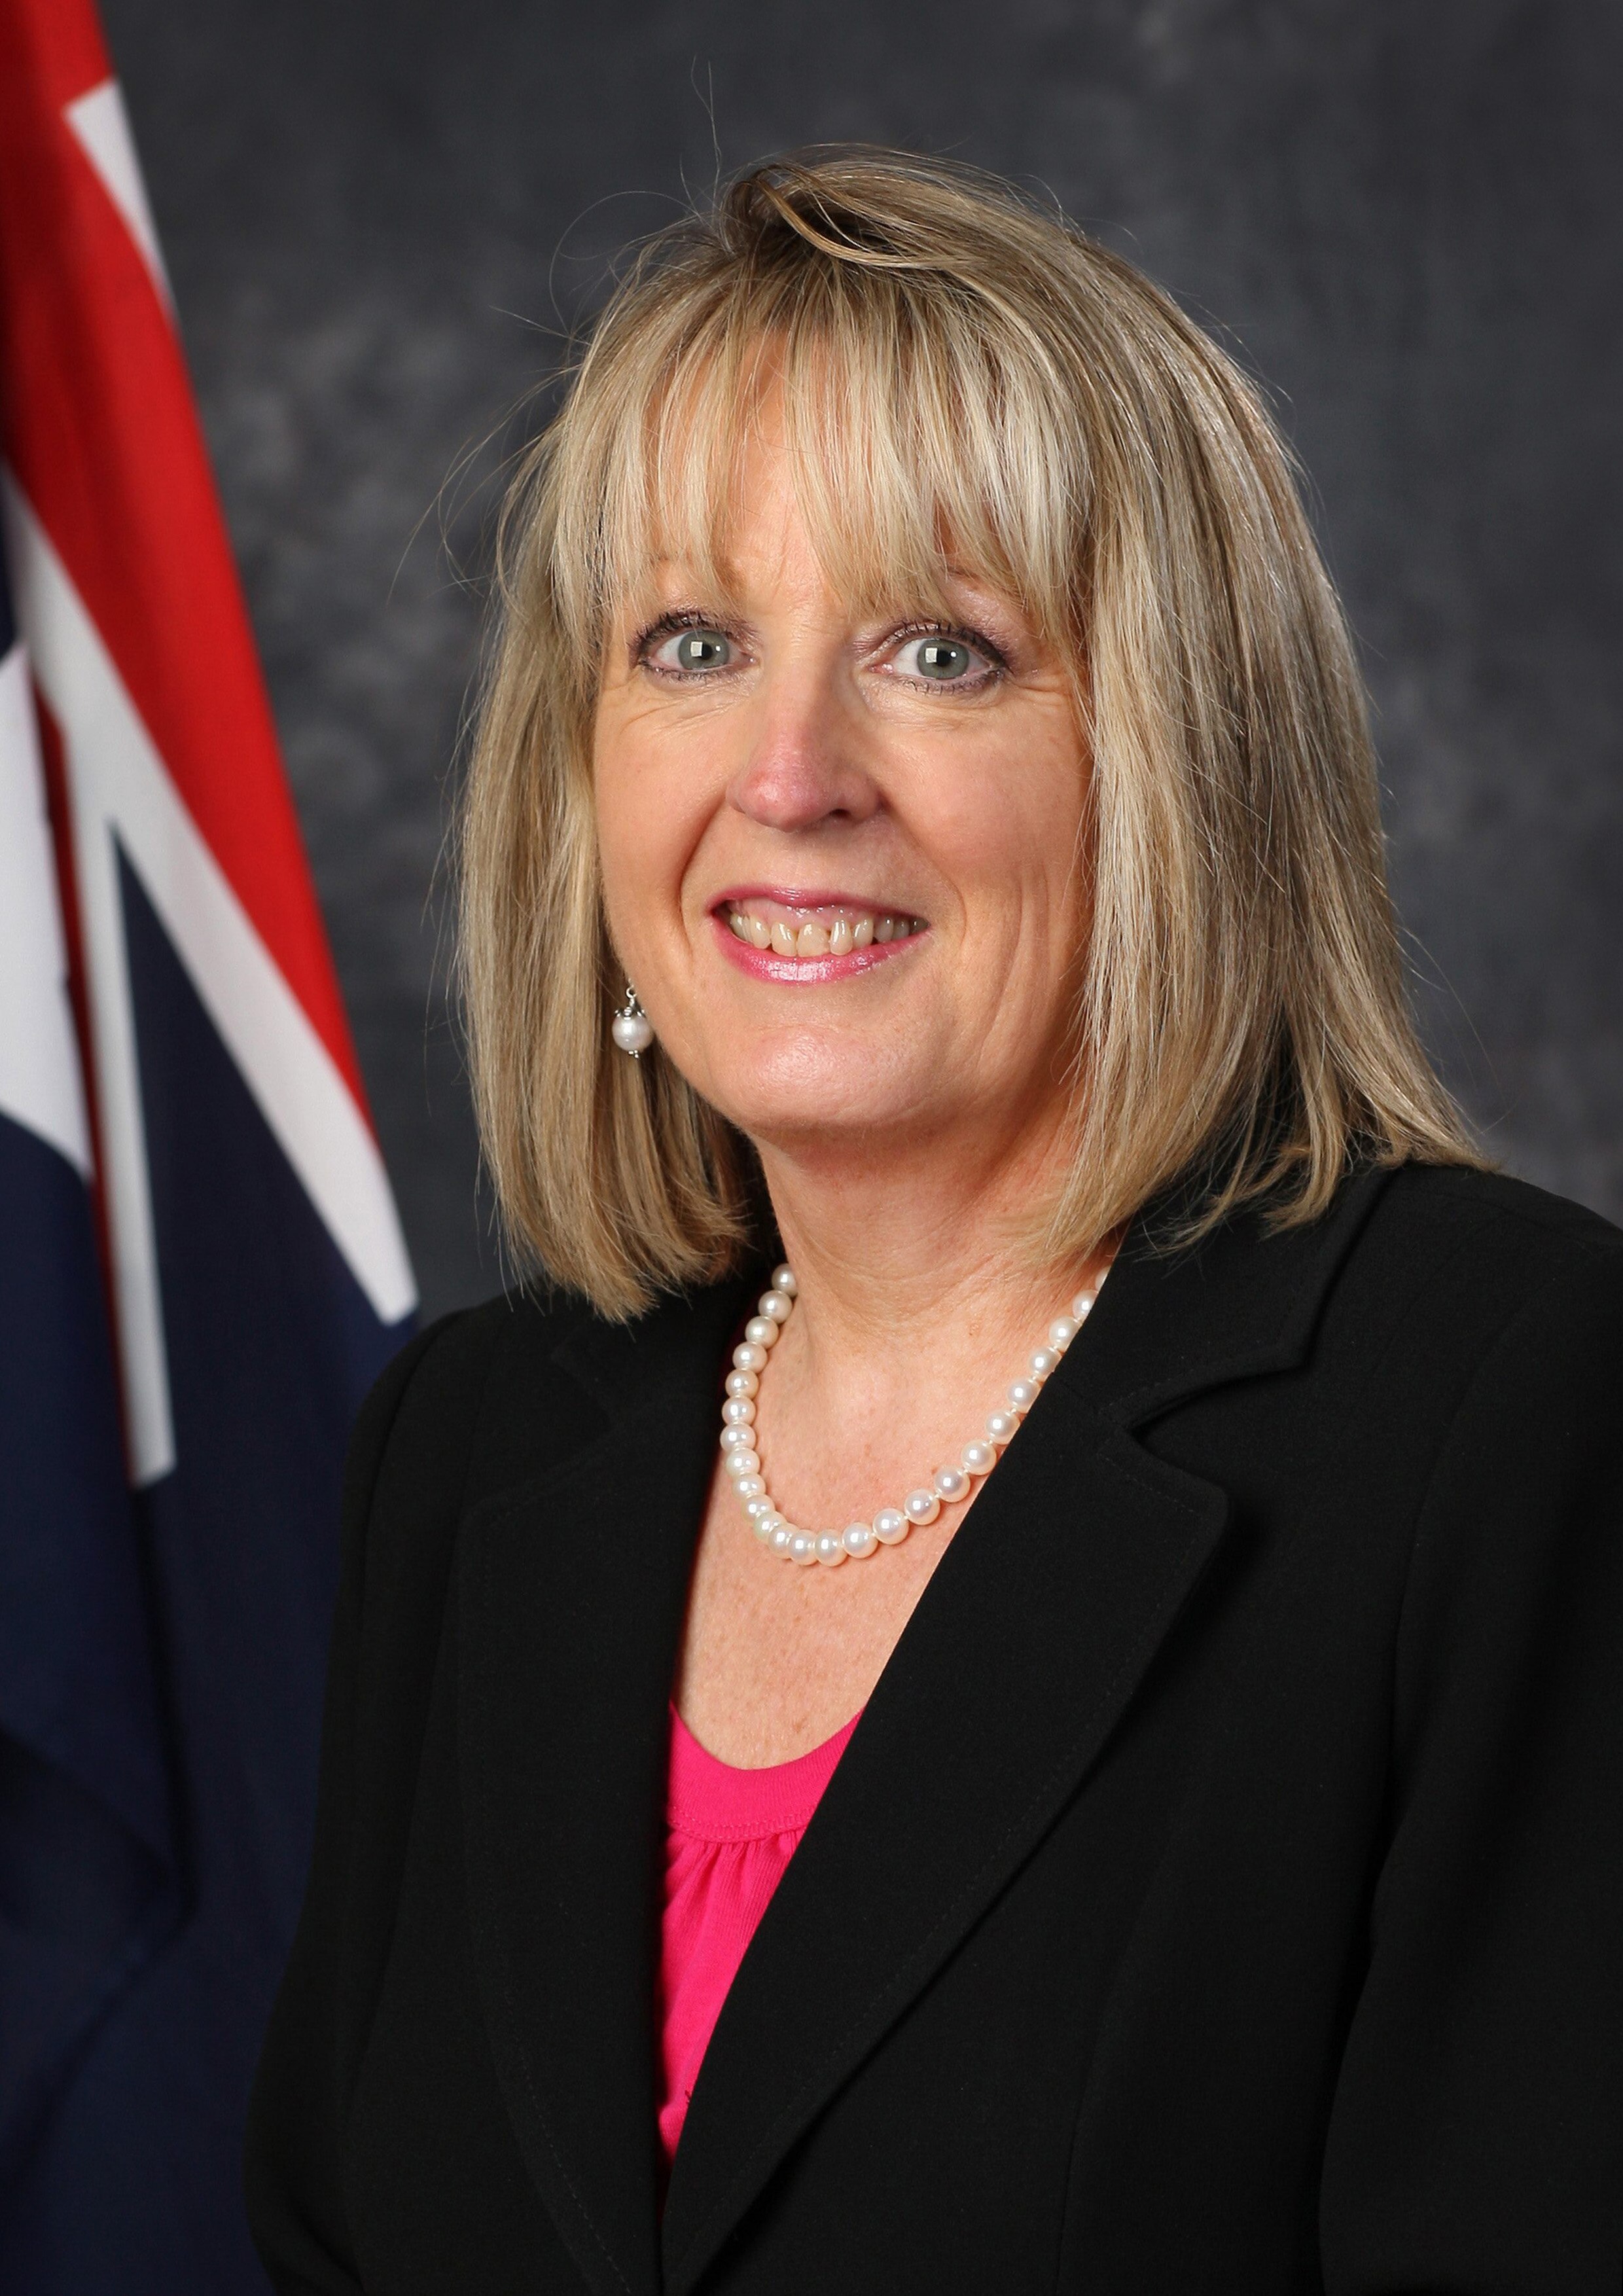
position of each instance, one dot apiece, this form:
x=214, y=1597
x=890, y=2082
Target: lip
x=803, y=971
x=800, y=897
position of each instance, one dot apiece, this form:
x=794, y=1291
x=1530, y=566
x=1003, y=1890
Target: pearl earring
x=631, y=1028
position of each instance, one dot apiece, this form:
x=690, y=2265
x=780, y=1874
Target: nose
x=803, y=766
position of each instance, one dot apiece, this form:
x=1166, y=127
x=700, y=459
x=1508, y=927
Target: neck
x=926, y=1248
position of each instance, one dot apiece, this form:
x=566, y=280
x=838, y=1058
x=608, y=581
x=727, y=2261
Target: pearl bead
x=949, y=1484
x=632, y=1032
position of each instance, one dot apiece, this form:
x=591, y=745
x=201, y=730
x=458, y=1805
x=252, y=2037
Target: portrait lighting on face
x=842, y=852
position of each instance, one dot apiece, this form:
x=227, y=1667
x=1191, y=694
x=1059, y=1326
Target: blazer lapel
x=570, y=1592
x=1024, y=1650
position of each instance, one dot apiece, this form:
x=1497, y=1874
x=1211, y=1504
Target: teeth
x=814, y=938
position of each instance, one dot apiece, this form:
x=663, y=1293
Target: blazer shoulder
x=1474, y=1254
x=1447, y=1205
x=439, y=1426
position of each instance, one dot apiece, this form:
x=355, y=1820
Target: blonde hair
x=967, y=378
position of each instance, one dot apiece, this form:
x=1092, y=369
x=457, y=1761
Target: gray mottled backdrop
x=1408, y=218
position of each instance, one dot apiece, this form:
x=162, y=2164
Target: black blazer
x=1221, y=1892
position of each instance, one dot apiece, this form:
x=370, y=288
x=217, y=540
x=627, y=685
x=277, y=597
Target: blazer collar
x=1028, y=1647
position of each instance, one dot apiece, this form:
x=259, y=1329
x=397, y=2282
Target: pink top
x=730, y=1834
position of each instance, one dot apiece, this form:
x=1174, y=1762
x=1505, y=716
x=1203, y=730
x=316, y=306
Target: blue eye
x=702, y=650
x=942, y=658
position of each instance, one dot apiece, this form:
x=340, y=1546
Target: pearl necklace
x=741, y=1458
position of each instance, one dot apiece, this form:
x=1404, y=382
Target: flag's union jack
x=200, y=1268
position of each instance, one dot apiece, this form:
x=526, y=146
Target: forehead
x=777, y=455
x=761, y=550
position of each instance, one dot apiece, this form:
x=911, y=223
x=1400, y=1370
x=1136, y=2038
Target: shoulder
x=1375, y=1325
x=1475, y=1314
x=456, y=1390
x=495, y=1396
x=1498, y=1385
x=443, y=1425
x=1425, y=1201
x=1477, y=1255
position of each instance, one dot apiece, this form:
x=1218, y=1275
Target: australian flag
x=201, y=1267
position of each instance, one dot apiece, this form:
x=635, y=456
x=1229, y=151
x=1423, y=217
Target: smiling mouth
x=811, y=932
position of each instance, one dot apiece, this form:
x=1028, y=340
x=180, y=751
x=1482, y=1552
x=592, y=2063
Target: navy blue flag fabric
x=87, y=1869
x=200, y=1268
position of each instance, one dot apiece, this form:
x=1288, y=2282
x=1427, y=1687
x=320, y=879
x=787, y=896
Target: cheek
x=1012, y=840
x=643, y=833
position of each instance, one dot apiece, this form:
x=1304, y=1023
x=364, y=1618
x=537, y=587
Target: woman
x=917, y=676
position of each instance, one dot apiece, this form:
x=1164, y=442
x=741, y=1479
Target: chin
x=807, y=1087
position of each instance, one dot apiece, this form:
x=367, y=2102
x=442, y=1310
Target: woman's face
x=841, y=854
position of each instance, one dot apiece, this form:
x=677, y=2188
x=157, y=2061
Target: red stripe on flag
x=59, y=48
x=98, y=423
